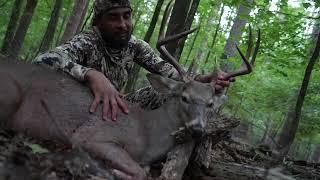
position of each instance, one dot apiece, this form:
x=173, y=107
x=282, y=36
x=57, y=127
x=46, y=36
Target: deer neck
x=164, y=119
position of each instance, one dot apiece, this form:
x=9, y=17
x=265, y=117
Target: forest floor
x=25, y=158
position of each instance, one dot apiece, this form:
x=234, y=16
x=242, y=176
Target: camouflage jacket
x=87, y=50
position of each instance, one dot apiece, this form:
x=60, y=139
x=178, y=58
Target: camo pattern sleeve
x=72, y=56
x=147, y=58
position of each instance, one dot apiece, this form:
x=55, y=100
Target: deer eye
x=185, y=99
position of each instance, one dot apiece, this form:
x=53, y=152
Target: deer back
x=42, y=102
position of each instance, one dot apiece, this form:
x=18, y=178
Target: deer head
x=193, y=98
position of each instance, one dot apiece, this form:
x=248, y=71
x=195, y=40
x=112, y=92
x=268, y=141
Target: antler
x=246, y=66
x=162, y=40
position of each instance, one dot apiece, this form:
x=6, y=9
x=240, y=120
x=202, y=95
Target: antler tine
x=168, y=56
x=250, y=43
x=247, y=68
x=256, y=50
x=166, y=40
x=162, y=41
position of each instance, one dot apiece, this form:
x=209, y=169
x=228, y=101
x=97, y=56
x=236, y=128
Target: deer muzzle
x=197, y=131
x=197, y=125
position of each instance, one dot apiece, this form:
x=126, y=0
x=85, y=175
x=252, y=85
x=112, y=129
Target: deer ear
x=163, y=84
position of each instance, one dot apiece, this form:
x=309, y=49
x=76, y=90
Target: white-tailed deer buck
x=48, y=105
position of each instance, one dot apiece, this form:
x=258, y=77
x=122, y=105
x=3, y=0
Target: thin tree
x=316, y=154
x=18, y=39
x=136, y=68
x=187, y=25
x=204, y=42
x=51, y=28
x=290, y=127
x=236, y=31
x=214, y=40
x=12, y=26
x=176, y=23
x=75, y=20
x=83, y=15
x=193, y=42
x=63, y=23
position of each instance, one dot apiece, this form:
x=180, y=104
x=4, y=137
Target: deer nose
x=197, y=131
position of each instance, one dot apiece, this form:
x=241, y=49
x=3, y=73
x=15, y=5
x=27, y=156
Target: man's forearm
x=61, y=61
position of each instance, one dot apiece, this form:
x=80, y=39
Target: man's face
x=116, y=27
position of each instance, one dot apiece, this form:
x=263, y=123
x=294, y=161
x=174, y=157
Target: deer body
x=49, y=105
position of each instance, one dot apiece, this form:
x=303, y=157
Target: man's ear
x=163, y=84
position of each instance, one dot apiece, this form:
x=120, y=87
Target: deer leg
x=118, y=158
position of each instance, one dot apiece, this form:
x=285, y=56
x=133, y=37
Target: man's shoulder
x=89, y=34
x=87, y=39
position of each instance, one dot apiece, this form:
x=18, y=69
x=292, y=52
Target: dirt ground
x=25, y=158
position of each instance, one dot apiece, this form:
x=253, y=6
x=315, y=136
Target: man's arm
x=72, y=58
x=69, y=57
x=148, y=59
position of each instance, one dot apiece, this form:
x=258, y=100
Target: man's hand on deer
x=222, y=81
x=104, y=92
x=219, y=80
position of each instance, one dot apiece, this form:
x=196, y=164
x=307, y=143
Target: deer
x=46, y=104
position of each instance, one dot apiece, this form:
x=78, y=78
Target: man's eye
x=112, y=16
x=127, y=15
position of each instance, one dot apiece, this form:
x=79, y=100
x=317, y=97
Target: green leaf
x=306, y=5
x=36, y=148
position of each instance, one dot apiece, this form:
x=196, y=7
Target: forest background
x=278, y=104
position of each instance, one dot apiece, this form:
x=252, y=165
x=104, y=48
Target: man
x=103, y=56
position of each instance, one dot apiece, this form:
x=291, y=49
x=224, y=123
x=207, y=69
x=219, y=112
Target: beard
x=117, y=40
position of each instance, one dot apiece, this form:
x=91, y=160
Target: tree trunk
x=75, y=20
x=64, y=19
x=316, y=155
x=204, y=45
x=136, y=68
x=176, y=24
x=187, y=25
x=235, y=33
x=85, y=24
x=266, y=135
x=82, y=18
x=51, y=28
x=12, y=26
x=20, y=34
x=289, y=129
x=215, y=35
x=193, y=42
